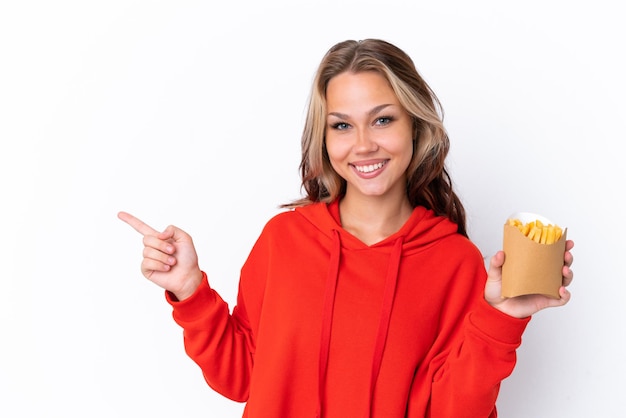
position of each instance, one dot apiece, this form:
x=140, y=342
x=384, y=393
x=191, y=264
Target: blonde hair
x=428, y=183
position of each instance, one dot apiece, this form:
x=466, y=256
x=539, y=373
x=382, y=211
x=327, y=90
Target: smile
x=369, y=168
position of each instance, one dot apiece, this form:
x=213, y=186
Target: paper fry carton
x=530, y=267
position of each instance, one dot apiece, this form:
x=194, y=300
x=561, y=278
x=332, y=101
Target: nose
x=364, y=142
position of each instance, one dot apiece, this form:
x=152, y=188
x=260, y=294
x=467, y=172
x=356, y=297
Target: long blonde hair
x=428, y=183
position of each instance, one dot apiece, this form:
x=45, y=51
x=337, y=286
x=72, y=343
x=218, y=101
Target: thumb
x=495, y=267
x=493, y=287
x=174, y=234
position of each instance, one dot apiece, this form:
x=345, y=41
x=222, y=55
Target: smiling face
x=369, y=135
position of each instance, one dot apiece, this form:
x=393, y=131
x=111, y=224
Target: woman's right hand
x=169, y=257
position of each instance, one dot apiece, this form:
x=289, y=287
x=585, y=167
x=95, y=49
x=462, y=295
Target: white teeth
x=368, y=168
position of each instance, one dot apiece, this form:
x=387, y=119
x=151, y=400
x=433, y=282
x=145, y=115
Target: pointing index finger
x=137, y=224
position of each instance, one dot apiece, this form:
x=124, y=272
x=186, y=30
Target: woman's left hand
x=525, y=305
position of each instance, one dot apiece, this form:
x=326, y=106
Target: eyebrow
x=372, y=112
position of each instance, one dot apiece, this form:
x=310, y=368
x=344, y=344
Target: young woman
x=365, y=298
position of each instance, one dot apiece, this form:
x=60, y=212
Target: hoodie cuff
x=497, y=326
x=195, y=306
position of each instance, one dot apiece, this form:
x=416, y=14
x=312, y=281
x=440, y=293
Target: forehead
x=358, y=90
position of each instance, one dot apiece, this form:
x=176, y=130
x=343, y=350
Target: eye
x=383, y=120
x=340, y=126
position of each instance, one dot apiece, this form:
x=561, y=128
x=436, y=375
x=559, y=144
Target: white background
x=190, y=113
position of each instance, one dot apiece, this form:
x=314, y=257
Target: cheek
x=406, y=151
x=338, y=155
x=337, y=150
x=410, y=149
x=398, y=145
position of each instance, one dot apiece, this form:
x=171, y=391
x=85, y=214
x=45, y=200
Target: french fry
x=538, y=231
x=525, y=229
x=514, y=222
x=557, y=233
x=550, y=234
x=536, y=234
x=544, y=234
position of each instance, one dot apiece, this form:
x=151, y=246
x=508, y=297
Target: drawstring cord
x=327, y=316
x=385, y=315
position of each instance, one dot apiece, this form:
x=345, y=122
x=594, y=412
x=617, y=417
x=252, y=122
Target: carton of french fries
x=533, y=248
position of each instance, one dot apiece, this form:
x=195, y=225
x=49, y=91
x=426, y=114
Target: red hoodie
x=326, y=326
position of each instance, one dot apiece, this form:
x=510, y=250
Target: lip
x=369, y=168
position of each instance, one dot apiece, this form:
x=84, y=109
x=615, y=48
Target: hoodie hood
x=421, y=230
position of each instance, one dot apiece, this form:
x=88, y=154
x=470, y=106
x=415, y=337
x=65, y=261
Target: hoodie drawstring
x=385, y=315
x=383, y=325
x=327, y=315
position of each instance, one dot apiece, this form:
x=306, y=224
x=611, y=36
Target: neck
x=373, y=218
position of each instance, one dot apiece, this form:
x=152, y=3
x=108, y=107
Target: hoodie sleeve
x=467, y=379
x=475, y=350
x=220, y=343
